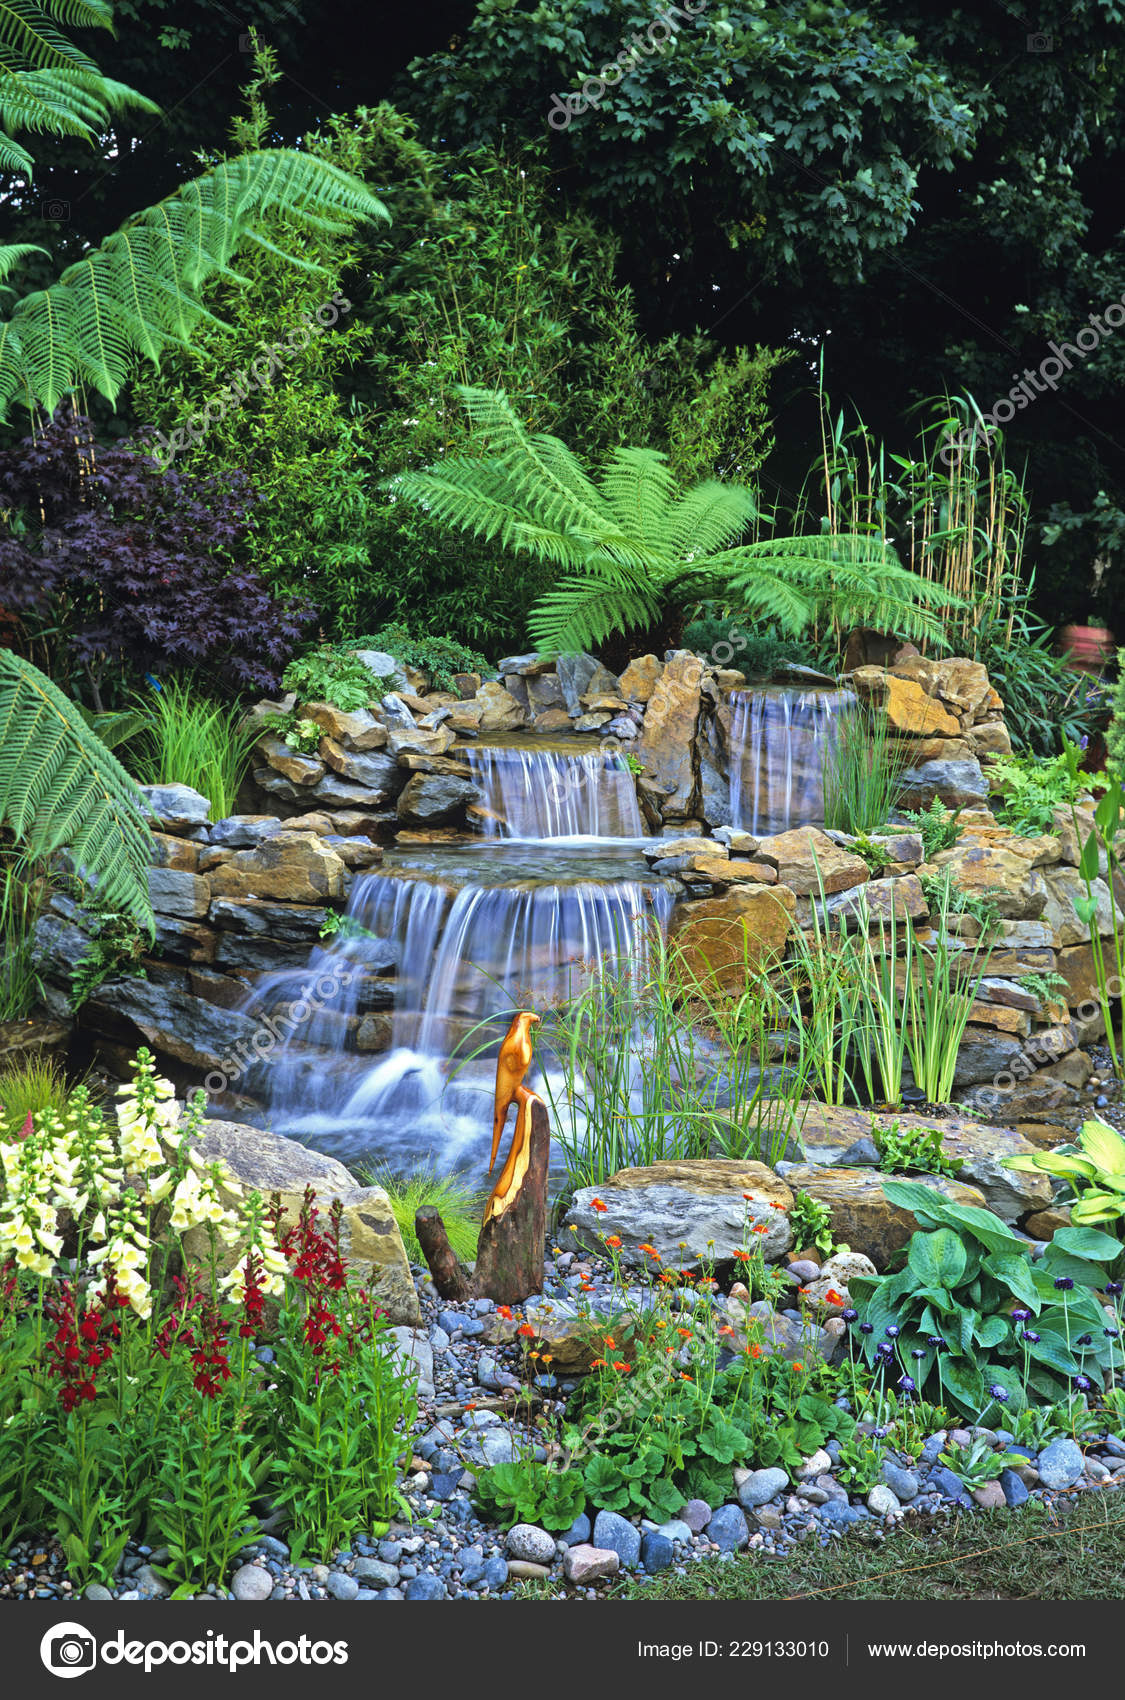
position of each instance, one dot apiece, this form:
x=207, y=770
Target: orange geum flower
x=742, y=1256
x=832, y=1297
x=684, y=1377
x=527, y=1330
x=598, y=1363
x=686, y=1332
x=726, y=1329
x=749, y=1197
x=623, y=1367
x=796, y=1368
x=533, y=1354
x=609, y=1341
x=760, y=1228
x=596, y=1204
x=650, y=1251
x=774, y=1205
x=755, y=1351
x=662, y=1323
x=505, y=1311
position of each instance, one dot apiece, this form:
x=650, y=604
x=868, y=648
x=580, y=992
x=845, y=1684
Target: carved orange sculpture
x=512, y=1064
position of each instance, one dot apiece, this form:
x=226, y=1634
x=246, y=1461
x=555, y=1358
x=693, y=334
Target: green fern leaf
x=61, y=789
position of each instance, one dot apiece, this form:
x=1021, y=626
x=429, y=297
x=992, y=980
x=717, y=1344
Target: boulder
x=181, y=854
x=172, y=1021
x=431, y=799
x=901, y=897
x=175, y=891
x=294, y=765
x=356, y=731
x=335, y=793
x=552, y=720
x=370, y=771
x=744, y=928
x=954, y=783
x=904, y=701
x=574, y=673
x=693, y=1212
x=544, y=692
x=291, y=869
x=242, y=832
x=807, y=861
x=862, y=1218
x=1004, y=870
x=641, y=678
x=178, y=808
x=666, y=746
x=500, y=712
x=290, y=921
x=1063, y=886
x=370, y=1241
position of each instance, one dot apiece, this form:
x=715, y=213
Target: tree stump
x=451, y=1279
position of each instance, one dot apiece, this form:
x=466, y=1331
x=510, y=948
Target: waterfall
x=456, y=957
x=555, y=793
x=780, y=740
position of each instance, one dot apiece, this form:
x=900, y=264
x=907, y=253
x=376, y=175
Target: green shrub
x=918, y=1148
x=333, y=674
x=460, y=1207
x=28, y=1088
x=937, y=827
x=1033, y=788
x=862, y=769
x=440, y=657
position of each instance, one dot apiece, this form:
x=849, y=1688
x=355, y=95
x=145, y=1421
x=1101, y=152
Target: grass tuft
x=460, y=1207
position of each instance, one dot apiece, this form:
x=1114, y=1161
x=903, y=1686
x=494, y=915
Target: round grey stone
x=1059, y=1464
x=903, y=1483
x=697, y=1513
x=251, y=1582
x=728, y=1529
x=426, y=1587
x=531, y=1544
x=761, y=1486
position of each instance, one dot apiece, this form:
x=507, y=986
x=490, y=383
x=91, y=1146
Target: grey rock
x=425, y=1587
x=728, y=1528
x=528, y=1542
x=861, y=1154
x=675, y=1530
x=96, y=1591
x=243, y=832
x=342, y=1586
x=375, y=1572
x=840, y=1513
x=657, y=1552
x=761, y=1486
x=902, y=1482
x=495, y=1572
x=696, y=1514
x=957, y=784
x=948, y=1483
x=578, y=1532
x=574, y=675
x=251, y=1582
x=1015, y=1493
x=390, y=1594
x=614, y=1533
x=805, y=1270
x=1059, y=1464
x=176, y=807
x=434, y=799
x=377, y=661
x=883, y=1502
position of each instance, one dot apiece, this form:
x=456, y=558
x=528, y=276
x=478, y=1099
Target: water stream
x=780, y=741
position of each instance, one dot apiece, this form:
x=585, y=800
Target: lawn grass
x=1075, y=1551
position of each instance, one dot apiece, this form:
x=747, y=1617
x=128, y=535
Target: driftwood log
x=513, y=1235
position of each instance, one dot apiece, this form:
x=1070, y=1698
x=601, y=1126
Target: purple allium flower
x=918, y=1352
x=935, y=1340
x=1021, y=1315
x=892, y=1331
x=1083, y=1383
x=1113, y=1288
x=1000, y=1394
x=867, y=1328
x=905, y=1384
x=1030, y=1336
x=1085, y=1340
x=1064, y=1283
x=849, y=1315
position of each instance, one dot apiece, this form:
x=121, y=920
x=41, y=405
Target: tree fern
x=61, y=789
x=139, y=291
x=631, y=539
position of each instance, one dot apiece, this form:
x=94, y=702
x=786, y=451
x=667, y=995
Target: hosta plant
x=1094, y=1169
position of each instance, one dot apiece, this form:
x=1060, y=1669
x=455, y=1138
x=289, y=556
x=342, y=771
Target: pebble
x=1059, y=1464
x=950, y=1484
x=579, y=1531
x=249, y=1582
x=528, y=1542
x=375, y=1572
x=881, y=1502
x=727, y=1528
x=696, y=1514
x=524, y=1570
x=425, y=1587
x=676, y=1530
x=761, y=1486
x=342, y=1586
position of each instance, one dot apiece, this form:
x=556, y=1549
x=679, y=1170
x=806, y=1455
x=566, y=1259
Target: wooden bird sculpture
x=512, y=1064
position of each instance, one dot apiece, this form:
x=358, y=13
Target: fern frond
x=585, y=609
x=139, y=292
x=61, y=789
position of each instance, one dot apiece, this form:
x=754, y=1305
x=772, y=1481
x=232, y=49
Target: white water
x=551, y=794
x=780, y=742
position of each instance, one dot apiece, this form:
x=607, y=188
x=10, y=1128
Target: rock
x=300, y=769
x=1064, y=885
x=990, y=1496
x=641, y=678
x=290, y=921
x=903, y=1483
x=357, y=731
x=883, y=1502
x=808, y=861
x=693, y=1209
x=1009, y=1193
x=877, y=900
x=614, y=1533
x=834, y=1277
x=696, y=1514
x=584, y=1564
x=861, y=1216
x=374, y=1573
x=379, y=663
x=416, y=1357
x=175, y=891
x=667, y=743
x=954, y=783
x=373, y=772
x=578, y=1533
x=947, y=1483
x=177, y=807
x=425, y=1587
x=500, y=712
x=172, y=1021
x=677, y=1530
x=744, y=929
x=1005, y=871
x=370, y=1241
x=1060, y=1464
x=243, y=832
x=529, y=1542
x=291, y=868
x=907, y=706
x=336, y=793
x=728, y=1529
x=1013, y=1489
x=431, y=799
x=761, y=1486
x=252, y=1582
x=341, y=1586
x=657, y=1552
x=172, y=852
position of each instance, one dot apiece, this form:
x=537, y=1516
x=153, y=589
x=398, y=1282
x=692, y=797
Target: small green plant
x=942, y=889
x=1094, y=1170
x=334, y=674
x=977, y=1464
x=21, y=904
x=1108, y=957
x=862, y=768
x=861, y=1462
x=901, y=1148
x=810, y=1223
x=937, y=827
x=440, y=657
x=460, y=1207
x=298, y=733
x=528, y=1492
x=634, y=764
x=28, y=1088
x=189, y=739
x=1049, y=988
x=1034, y=788
x=337, y=925
x=116, y=947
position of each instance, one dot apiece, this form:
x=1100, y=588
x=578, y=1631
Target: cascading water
x=454, y=956
x=780, y=741
x=554, y=793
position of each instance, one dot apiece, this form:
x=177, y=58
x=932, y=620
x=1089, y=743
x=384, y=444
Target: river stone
x=862, y=1218
x=883, y=1502
x=666, y=746
x=657, y=1552
x=1015, y=1493
x=177, y=807
x=432, y=799
x=807, y=861
x=760, y=1486
x=743, y=929
x=251, y=1582
x=527, y=1541
x=293, y=868
x=615, y=1533
x=370, y=1242
x=728, y=1528
x=585, y=1563
x=694, y=1210
x=641, y=678
x=1060, y=1464
x=902, y=1482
